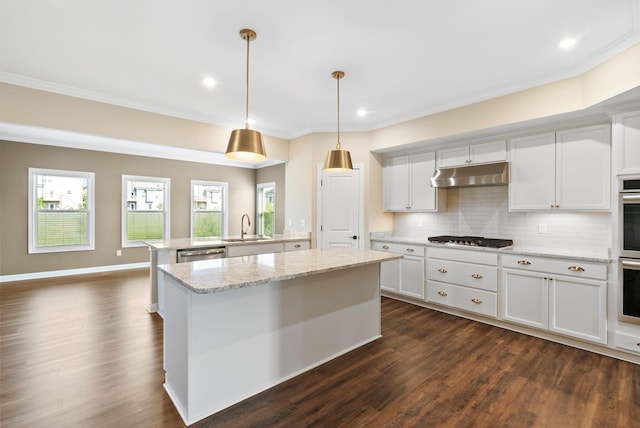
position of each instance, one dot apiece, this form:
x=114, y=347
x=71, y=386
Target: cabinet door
x=577, y=307
x=532, y=182
x=389, y=275
x=395, y=184
x=422, y=197
x=583, y=168
x=626, y=138
x=412, y=276
x=494, y=151
x=457, y=156
x=525, y=298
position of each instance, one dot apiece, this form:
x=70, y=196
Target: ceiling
x=403, y=59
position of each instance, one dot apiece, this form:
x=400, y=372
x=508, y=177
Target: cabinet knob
x=524, y=262
x=468, y=161
x=442, y=293
x=410, y=250
x=296, y=246
x=385, y=247
x=576, y=268
x=476, y=301
x=476, y=276
x=442, y=270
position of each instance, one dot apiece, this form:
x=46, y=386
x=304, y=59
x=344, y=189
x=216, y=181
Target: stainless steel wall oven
x=629, y=302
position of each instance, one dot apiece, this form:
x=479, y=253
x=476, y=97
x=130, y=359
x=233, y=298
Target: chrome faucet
x=242, y=231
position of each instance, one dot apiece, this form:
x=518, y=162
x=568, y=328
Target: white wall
x=483, y=211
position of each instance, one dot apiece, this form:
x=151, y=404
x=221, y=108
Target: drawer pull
x=524, y=262
x=385, y=247
x=476, y=276
x=297, y=246
x=410, y=250
x=442, y=270
x=476, y=301
x=576, y=268
x=442, y=293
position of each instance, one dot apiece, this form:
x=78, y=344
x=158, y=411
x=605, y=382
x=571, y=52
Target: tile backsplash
x=484, y=211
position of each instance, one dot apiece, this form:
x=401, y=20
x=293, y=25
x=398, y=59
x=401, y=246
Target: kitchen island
x=237, y=326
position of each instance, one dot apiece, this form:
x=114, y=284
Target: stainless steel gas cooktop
x=473, y=241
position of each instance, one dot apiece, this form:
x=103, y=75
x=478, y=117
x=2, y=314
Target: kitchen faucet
x=242, y=231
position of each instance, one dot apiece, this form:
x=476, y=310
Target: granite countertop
x=181, y=243
x=588, y=255
x=217, y=275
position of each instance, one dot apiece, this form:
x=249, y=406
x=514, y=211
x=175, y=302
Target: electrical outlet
x=118, y=253
x=302, y=222
x=542, y=227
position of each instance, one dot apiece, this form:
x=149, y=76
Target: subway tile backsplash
x=484, y=211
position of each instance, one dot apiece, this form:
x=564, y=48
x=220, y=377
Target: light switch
x=542, y=227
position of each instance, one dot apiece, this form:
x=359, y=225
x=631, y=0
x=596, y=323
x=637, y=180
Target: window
x=266, y=209
x=61, y=210
x=145, y=213
x=208, y=208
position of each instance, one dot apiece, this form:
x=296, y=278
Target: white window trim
x=32, y=218
x=166, y=203
x=275, y=196
x=225, y=204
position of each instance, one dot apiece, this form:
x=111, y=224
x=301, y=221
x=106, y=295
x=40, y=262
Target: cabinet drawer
x=468, y=274
x=575, y=268
x=469, y=256
x=468, y=299
x=628, y=342
x=297, y=246
x=395, y=248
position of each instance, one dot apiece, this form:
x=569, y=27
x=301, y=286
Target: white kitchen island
x=237, y=326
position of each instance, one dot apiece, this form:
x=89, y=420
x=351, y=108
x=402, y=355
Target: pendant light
x=246, y=144
x=338, y=160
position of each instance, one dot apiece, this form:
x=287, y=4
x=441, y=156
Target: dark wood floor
x=83, y=352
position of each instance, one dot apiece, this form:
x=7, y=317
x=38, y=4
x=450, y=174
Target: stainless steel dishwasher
x=203, y=253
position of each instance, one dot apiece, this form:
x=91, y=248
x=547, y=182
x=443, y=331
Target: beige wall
x=275, y=174
x=16, y=158
x=33, y=107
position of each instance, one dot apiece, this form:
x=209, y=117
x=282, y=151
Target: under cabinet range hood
x=489, y=174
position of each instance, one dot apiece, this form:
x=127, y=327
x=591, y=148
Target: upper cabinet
x=406, y=183
x=567, y=170
x=494, y=151
x=626, y=140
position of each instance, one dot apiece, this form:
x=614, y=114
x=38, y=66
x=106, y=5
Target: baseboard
x=67, y=272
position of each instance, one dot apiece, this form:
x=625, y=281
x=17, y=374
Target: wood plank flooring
x=83, y=352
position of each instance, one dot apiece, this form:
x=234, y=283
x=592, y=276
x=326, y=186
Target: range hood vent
x=490, y=174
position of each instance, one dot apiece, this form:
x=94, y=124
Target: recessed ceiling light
x=361, y=112
x=567, y=43
x=209, y=82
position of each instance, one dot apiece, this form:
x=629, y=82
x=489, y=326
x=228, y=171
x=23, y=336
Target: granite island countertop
x=588, y=255
x=182, y=243
x=218, y=275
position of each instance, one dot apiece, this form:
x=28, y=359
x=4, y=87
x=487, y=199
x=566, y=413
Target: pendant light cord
x=338, y=145
x=246, y=108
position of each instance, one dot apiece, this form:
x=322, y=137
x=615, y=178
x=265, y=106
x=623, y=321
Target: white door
x=340, y=207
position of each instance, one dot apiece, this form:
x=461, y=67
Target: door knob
x=354, y=237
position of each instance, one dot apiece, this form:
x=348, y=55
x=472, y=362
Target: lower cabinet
x=463, y=279
x=406, y=275
x=562, y=296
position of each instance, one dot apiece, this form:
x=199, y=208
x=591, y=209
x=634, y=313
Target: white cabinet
x=626, y=140
x=494, y=151
x=406, y=275
x=297, y=245
x=567, y=170
x=252, y=249
x=463, y=279
x=406, y=184
x=563, y=296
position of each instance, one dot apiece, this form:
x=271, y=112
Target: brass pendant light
x=246, y=144
x=338, y=160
